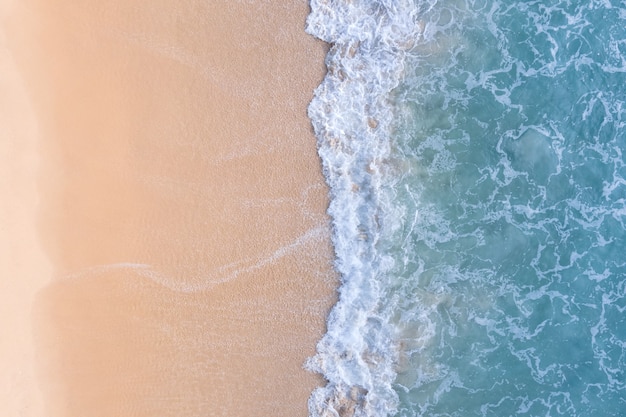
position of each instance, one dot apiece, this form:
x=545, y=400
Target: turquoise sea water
x=474, y=151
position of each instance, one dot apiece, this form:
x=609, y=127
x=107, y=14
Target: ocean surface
x=475, y=155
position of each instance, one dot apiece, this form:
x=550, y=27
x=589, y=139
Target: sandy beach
x=165, y=207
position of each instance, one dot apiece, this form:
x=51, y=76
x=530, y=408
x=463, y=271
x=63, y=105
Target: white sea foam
x=352, y=117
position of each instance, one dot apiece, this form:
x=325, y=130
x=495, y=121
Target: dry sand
x=163, y=151
x=24, y=268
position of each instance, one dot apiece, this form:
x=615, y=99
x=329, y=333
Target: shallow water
x=474, y=153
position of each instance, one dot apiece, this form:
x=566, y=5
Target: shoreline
x=182, y=206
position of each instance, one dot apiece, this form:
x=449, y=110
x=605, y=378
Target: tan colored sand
x=24, y=268
x=182, y=205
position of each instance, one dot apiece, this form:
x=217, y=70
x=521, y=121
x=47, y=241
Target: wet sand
x=179, y=203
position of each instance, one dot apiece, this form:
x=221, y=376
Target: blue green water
x=515, y=124
x=474, y=151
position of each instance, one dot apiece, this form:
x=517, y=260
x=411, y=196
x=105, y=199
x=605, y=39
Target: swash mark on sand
x=220, y=275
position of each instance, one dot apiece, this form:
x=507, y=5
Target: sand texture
x=172, y=203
